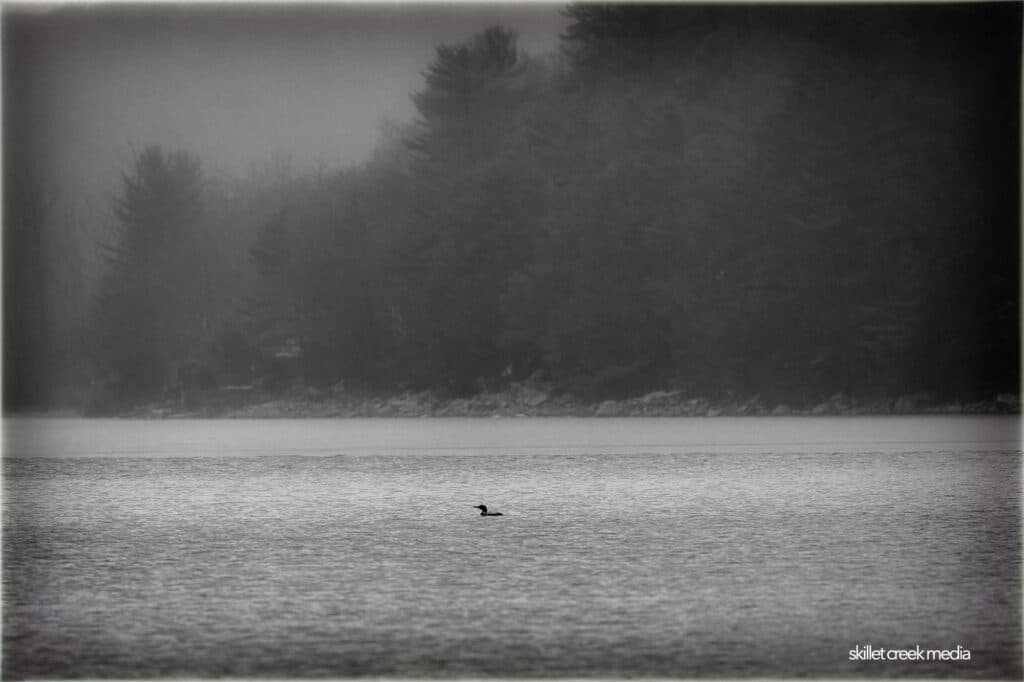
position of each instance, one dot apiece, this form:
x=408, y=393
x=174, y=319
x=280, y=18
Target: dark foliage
x=785, y=201
x=148, y=315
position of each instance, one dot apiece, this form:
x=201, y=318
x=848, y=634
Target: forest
x=784, y=201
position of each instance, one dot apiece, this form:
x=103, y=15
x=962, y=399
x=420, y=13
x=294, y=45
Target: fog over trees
x=785, y=201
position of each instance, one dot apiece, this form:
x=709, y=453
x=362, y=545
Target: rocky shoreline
x=529, y=399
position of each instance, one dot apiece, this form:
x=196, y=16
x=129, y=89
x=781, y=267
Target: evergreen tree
x=474, y=195
x=342, y=295
x=149, y=311
x=272, y=310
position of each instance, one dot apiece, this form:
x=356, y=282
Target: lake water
x=629, y=547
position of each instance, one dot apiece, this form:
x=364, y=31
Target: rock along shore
x=540, y=400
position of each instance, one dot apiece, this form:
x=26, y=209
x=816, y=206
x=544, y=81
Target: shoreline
x=526, y=400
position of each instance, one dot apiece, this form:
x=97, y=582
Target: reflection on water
x=711, y=547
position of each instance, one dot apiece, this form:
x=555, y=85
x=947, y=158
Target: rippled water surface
x=679, y=548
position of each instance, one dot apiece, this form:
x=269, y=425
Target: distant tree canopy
x=789, y=201
x=474, y=202
x=149, y=312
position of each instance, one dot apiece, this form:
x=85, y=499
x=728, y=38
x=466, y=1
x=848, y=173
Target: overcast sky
x=235, y=83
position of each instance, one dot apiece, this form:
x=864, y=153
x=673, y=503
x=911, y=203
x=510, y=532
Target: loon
x=484, y=512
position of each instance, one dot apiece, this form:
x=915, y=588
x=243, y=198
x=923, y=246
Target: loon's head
x=482, y=508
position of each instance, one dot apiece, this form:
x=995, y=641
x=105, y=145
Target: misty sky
x=234, y=84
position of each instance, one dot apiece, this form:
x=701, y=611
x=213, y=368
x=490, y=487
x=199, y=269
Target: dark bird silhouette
x=484, y=512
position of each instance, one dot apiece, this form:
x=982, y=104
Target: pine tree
x=148, y=312
x=474, y=195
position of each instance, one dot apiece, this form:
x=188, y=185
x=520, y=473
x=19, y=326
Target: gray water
x=668, y=547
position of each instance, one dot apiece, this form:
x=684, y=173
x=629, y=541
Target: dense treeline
x=785, y=201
